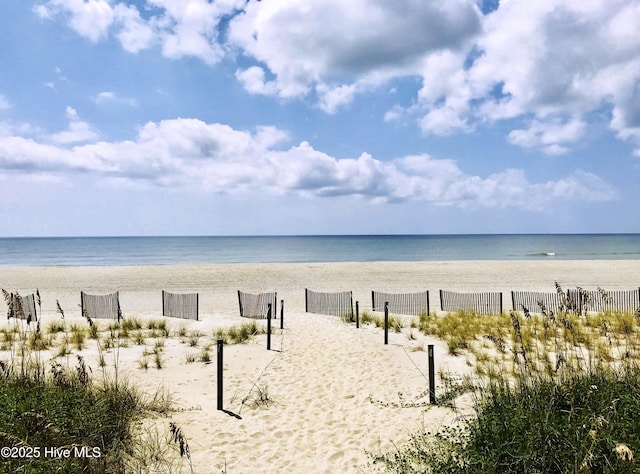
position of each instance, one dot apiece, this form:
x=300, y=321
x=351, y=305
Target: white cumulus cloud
x=214, y=157
x=77, y=132
x=134, y=33
x=254, y=82
x=546, y=63
x=181, y=27
x=106, y=97
x=310, y=43
x=555, y=62
x=550, y=135
x=89, y=18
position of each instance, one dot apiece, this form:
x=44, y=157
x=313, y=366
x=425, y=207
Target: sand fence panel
x=335, y=304
x=603, y=300
x=481, y=303
x=534, y=301
x=23, y=307
x=101, y=306
x=180, y=305
x=257, y=306
x=29, y=307
x=401, y=303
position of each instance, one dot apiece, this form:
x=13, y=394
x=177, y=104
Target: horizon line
x=445, y=234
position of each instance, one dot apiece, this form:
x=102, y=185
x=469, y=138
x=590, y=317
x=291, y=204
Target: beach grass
x=554, y=393
x=64, y=412
x=46, y=401
x=56, y=418
x=238, y=333
x=368, y=317
x=585, y=422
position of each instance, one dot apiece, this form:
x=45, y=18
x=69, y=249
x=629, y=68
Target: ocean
x=47, y=251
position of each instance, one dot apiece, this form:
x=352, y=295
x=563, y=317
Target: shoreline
x=541, y=258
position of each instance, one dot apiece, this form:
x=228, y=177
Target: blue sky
x=225, y=117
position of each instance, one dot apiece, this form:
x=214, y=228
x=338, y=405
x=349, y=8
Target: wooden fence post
x=119, y=309
x=281, y=314
x=386, y=322
x=357, y=315
x=432, y=378
x=220, y=370
x=269, y=327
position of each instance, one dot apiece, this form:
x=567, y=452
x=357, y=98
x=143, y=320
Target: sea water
x=37, y=251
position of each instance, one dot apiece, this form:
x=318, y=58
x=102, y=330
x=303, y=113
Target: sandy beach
x=338, y=393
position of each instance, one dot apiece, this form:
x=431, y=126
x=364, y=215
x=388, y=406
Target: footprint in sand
x=282, y=434
x=336, y=457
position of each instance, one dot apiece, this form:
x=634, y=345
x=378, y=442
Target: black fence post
x=357, y=315
x=269, y=327
x=281, y=314
x=432, y=378
x=386, y=322
x=220, y=370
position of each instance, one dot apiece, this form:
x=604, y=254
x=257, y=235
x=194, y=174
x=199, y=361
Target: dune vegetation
x=57, y=415
x=553, y=393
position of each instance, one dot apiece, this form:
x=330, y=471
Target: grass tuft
x=66, y=409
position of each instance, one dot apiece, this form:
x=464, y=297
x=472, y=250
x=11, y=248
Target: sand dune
x=336, y=393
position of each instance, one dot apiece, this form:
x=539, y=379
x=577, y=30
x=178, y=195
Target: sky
x=277, y=117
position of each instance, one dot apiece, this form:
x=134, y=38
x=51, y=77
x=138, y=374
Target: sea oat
x=179, y=438
x=624, y=452
x=59, y=309
x=83, y=374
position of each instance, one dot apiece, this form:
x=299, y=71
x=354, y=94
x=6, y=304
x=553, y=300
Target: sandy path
x=329, y=383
